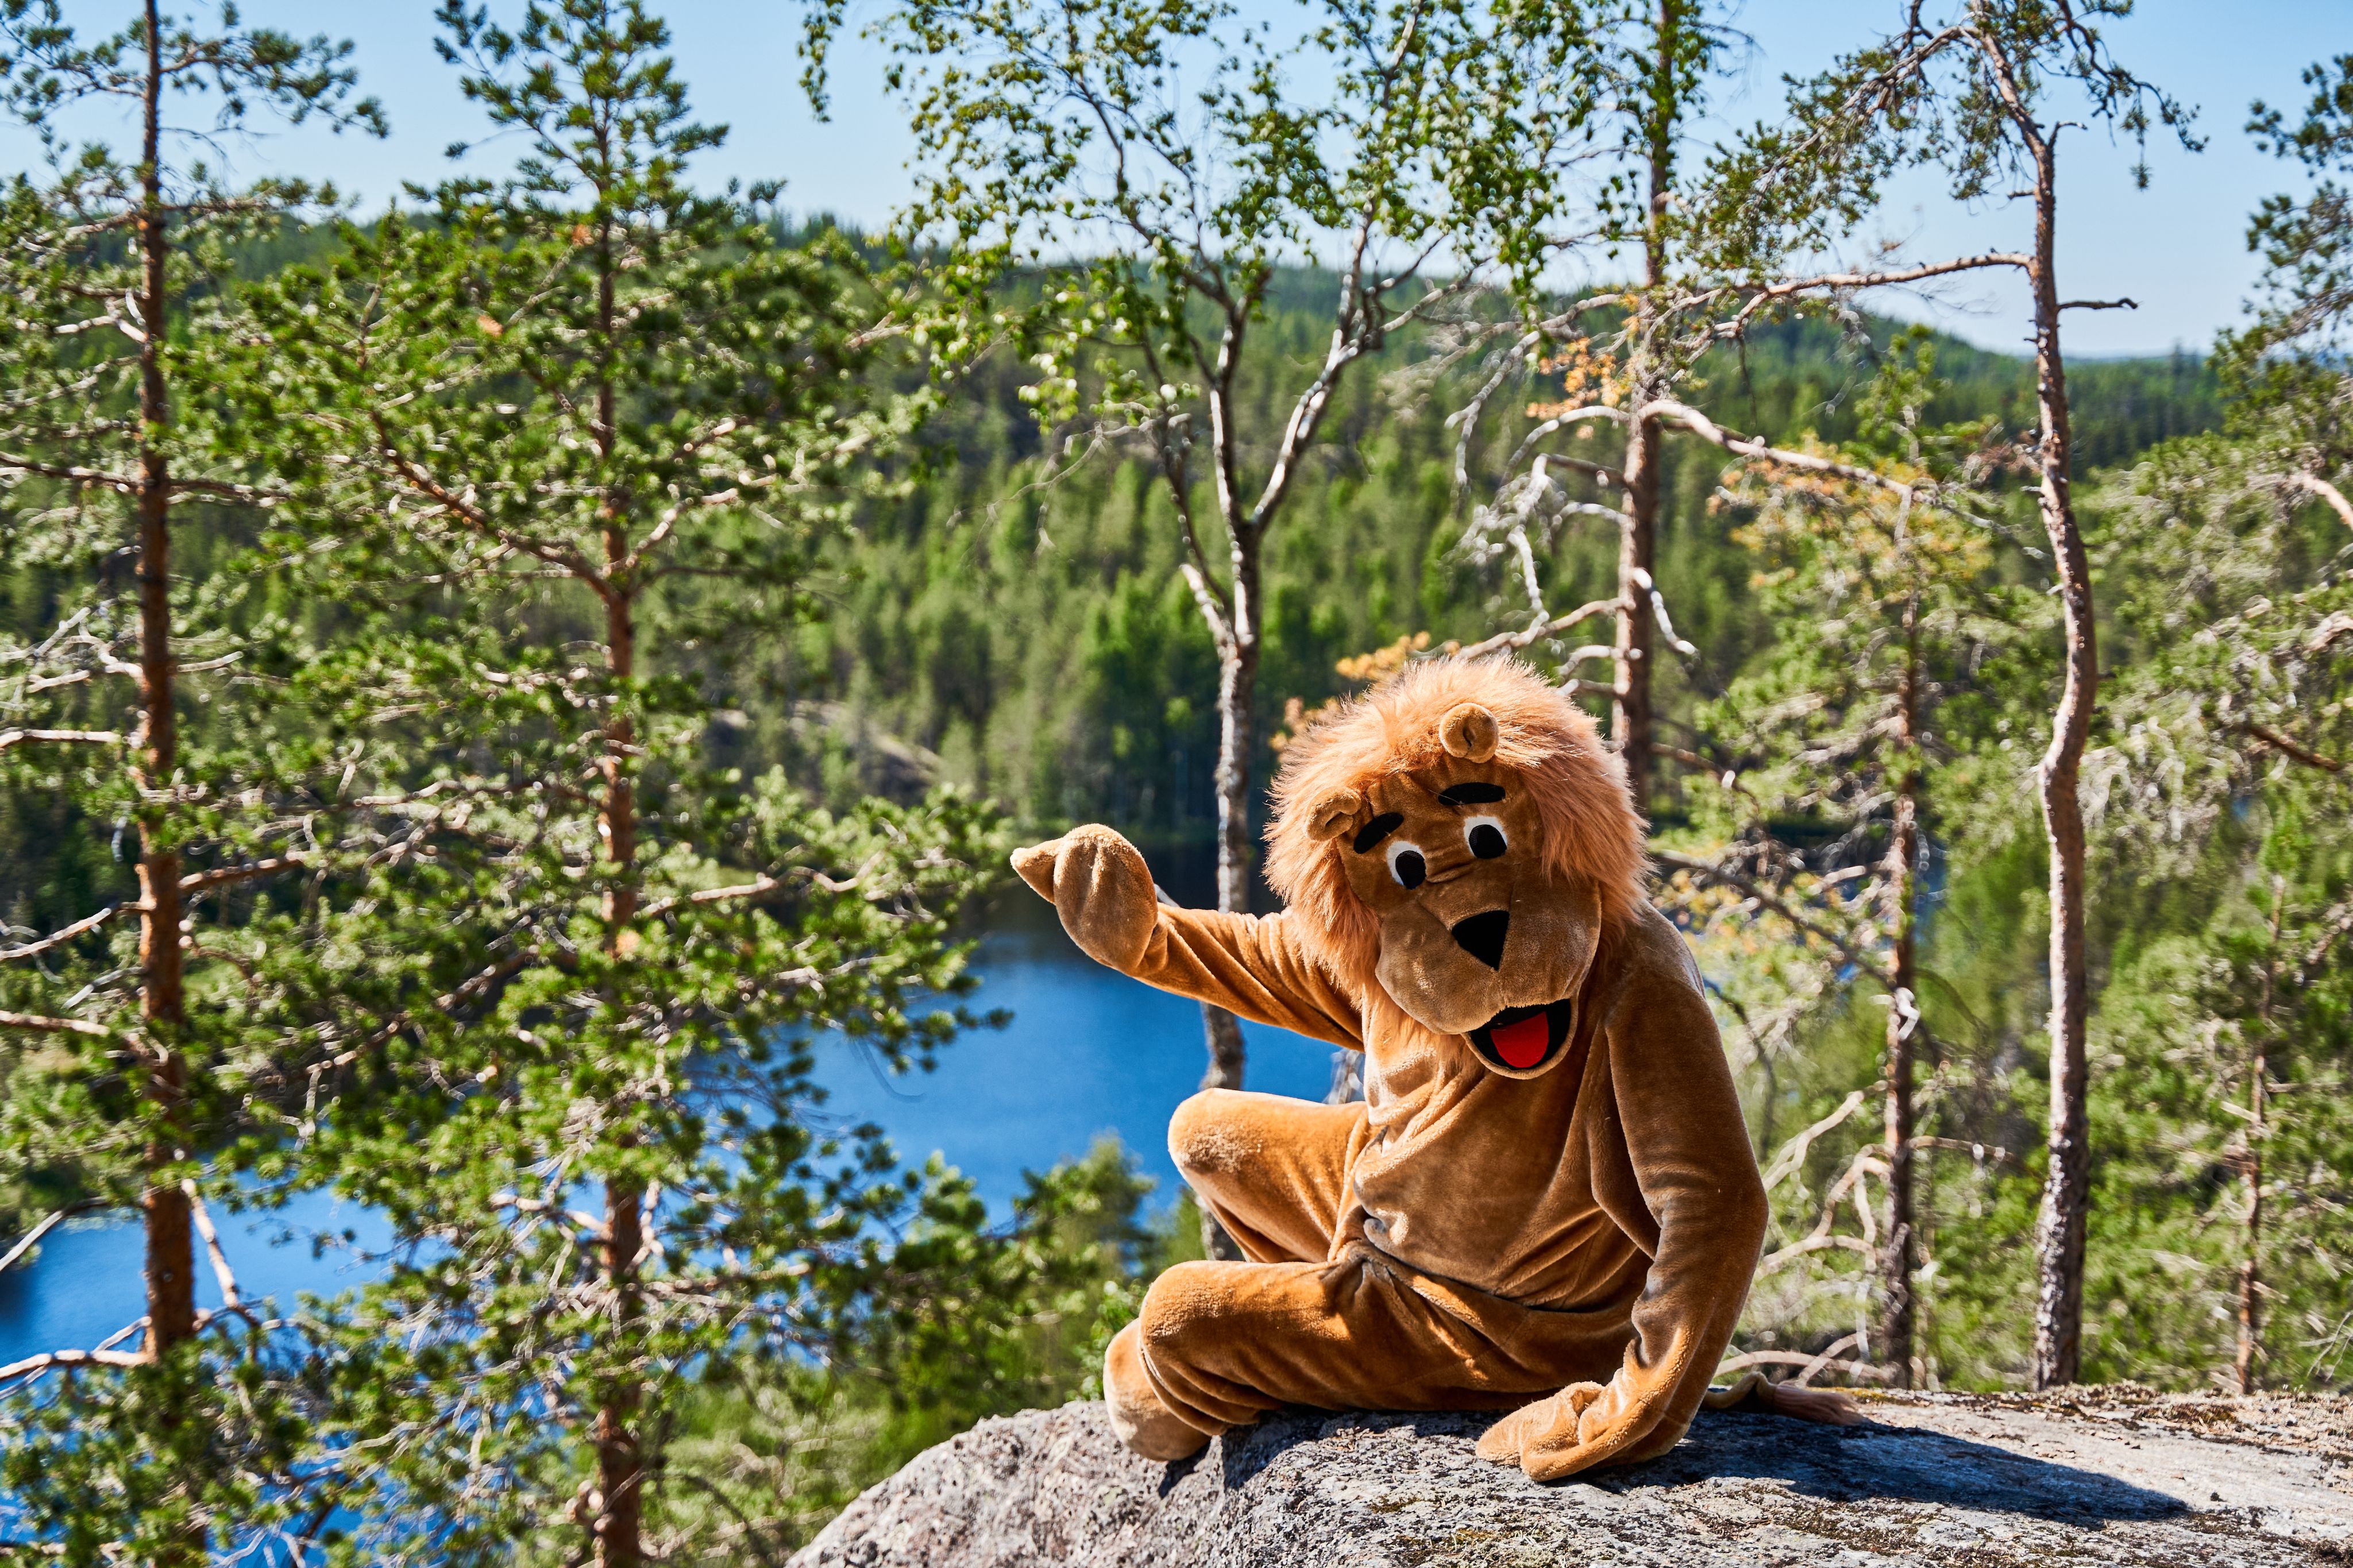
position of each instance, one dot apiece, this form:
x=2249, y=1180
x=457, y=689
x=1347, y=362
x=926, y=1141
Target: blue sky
x=2177, y=247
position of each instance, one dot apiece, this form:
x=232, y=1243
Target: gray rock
x=2104, y=1475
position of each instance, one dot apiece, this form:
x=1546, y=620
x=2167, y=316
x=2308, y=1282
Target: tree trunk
x=2250, y=1278
x=2258, y=1111
x=170, y=1255
x=2066, y=1194
x=618, y=1526
x=1630, y=727
x=1899, y=1258
x=1630, y=722
x=1237, y=685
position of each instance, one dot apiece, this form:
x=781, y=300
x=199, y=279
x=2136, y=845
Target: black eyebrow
x=1471, y=793
x=1376, y=830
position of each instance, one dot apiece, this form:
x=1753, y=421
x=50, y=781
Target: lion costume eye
x=1407, y=865
x=1486, y=837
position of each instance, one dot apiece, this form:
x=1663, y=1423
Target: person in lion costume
x=1546, y=1202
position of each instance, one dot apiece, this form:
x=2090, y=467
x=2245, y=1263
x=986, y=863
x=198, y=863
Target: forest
x=487, y=686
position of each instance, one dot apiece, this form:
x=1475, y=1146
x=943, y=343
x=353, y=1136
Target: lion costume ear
x=1330, y=815
x=1469, y=732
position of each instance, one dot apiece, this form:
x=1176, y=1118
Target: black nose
x=1482, y=936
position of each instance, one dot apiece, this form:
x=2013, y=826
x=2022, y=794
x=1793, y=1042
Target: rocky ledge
x=2093, y=1476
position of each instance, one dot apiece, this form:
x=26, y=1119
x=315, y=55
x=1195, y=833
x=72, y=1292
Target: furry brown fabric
x=1548, y=1195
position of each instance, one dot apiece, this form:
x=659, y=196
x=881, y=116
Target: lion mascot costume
x=1545, y=1202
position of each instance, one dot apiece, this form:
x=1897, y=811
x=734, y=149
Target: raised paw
x=1101, y=888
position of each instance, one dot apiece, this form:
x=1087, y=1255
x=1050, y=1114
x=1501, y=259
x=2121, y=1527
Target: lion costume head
x=1459, y=836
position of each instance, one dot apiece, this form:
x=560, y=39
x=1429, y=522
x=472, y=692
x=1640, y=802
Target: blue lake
x=1088, y=1052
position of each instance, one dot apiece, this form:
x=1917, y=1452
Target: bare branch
x=60, y=737
x=1798, y=1358
x=32, y=1238
x=64, y=934
x=1829, y=282
x=35, y=1023
x=714, y=895
x=32, y=1366
x=1793, y=1153
x=1707, y=429
x=226, y=874
x=1773, y=901
x=2312, y=484
x=1510, y=641
x=2282, y=743
x=202, y=1219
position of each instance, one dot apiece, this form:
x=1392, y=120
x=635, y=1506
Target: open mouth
x=1520, y=1038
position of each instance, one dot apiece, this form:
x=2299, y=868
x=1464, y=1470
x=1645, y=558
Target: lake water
x=1088, y=1052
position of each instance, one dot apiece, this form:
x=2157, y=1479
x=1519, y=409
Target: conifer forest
x=491, y=684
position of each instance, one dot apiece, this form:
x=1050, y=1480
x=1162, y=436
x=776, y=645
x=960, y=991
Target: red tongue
x=1521, y=1045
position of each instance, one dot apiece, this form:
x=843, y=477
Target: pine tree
x=560, y=437
x=141, y=709
x=1892, y=625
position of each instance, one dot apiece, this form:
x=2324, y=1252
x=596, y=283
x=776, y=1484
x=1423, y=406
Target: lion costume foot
x=1149, y=1428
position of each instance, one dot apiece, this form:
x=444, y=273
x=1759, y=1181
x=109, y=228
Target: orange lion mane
x=1580, y=786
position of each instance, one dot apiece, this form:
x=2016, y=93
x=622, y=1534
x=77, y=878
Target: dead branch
x=715, y=895
x=1510, y=641
x=33, y=1366
x=226, y=874
x=1706, y=429
x=1793, y=1153
x=2312, y=484
x=2282, y=743
x=1848, y=283
x=34, y=1023
x=64, y=934
x=203, y=1218
x=32, y=1238
x=1798, y=1358
x=59, y=737
x=1773, y=901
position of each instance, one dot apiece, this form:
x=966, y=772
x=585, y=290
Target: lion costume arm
x=1248, y=964
x=1699, y=1211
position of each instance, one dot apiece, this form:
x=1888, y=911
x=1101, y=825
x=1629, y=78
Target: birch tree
x=1893, y=627
x=1120, y=183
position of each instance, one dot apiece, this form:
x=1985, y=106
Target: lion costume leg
x=1219, y=1344
x=1274, y=1172
x=1311, y=1320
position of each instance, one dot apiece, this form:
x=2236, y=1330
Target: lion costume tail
x=1755, y=1391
